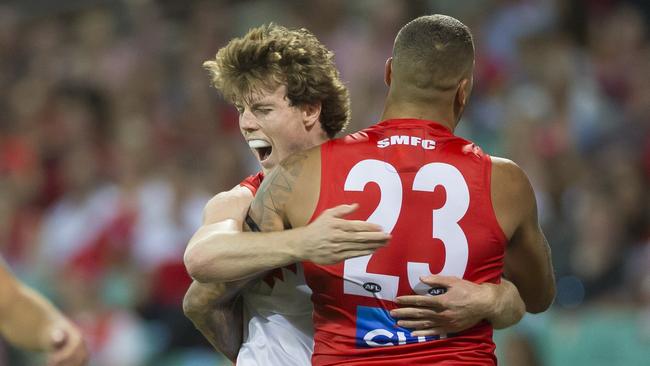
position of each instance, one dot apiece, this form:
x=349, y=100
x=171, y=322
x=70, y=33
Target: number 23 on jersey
x=358, y=281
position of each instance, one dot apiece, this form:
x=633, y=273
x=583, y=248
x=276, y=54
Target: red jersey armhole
x=324, y=166
x=488, y=183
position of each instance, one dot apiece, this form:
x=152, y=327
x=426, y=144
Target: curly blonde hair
x=271, y=55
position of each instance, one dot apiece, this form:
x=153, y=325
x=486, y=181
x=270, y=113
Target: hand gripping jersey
x=277, y=315
x=431, y=190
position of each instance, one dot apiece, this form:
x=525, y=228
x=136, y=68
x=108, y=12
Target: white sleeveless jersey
x=278, y=327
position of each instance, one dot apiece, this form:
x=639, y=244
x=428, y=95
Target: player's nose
x=247, y=122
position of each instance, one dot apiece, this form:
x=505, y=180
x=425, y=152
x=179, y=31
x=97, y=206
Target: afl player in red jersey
x=450, y=208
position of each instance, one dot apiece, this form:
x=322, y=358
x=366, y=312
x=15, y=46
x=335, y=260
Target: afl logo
x=434, y=291
x=371, y=287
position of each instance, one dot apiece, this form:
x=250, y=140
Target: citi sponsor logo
x=406, y=140
x=376, y=328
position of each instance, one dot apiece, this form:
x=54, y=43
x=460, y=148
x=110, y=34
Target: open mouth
x=262, y=148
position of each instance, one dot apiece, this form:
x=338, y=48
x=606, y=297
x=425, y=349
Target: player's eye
x=240, y=109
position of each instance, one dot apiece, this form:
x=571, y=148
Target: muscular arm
x=216, y=311
x=220, y=252
x=528, y=260
x=215, y=308
x=216, y=251
x=507, y=307
x=25, y=316
x=31, y=322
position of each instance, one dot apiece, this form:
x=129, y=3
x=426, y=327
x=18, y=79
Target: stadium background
x=111, y=141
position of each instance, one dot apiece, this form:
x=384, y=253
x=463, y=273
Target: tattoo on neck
x=267, y=208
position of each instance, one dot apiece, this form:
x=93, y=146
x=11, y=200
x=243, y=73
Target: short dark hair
x=433, y=51
x=271, y=55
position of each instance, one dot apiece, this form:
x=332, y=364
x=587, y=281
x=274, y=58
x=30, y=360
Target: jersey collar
x=413, y=122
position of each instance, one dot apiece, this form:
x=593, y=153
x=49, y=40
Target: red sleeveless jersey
x=431, y=190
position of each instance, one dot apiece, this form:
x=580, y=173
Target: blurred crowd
x=111, y=142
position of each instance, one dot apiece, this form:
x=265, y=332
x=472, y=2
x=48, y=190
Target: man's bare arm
x=528, y=256
x=215, y=308
x=30, y=321
x=220, y=252
x=216, y=311
x=508, y=307
x=531, y=273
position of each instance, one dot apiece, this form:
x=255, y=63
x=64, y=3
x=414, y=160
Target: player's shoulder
x=510, y=180
x=507, y=169
x=238, y=195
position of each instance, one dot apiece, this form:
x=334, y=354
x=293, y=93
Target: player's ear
x=463, y=91
x=462, y=96
x=311, y=113
x=388, y=71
